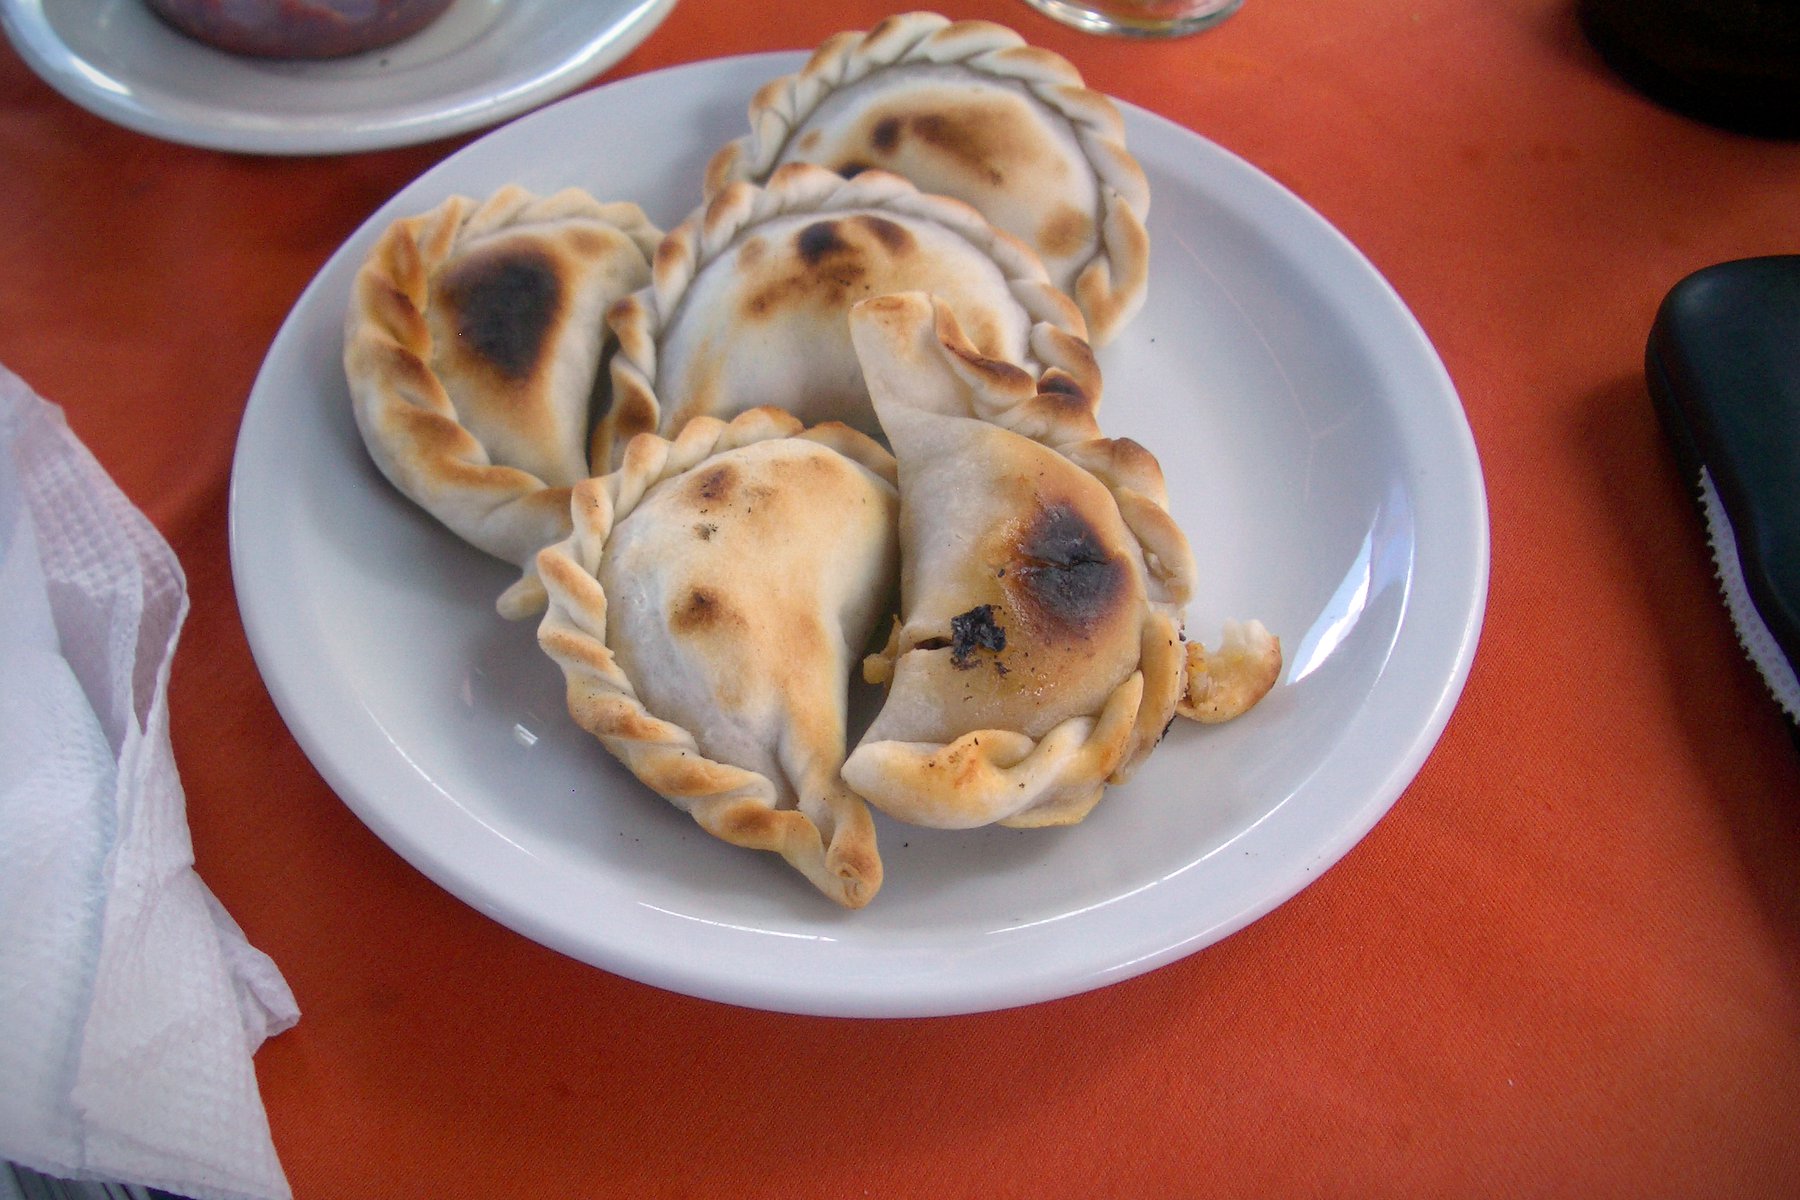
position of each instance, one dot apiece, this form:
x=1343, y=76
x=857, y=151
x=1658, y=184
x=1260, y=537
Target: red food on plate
x=298, y=28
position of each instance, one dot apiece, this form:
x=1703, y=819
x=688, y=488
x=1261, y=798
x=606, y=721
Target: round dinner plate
x=480, y=63
x=1317, y=456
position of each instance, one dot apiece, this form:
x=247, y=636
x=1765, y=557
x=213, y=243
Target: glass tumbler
x=1138, y=18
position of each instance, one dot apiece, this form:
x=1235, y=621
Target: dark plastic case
x=1723, y=365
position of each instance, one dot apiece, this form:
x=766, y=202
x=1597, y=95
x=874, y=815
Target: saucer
x=480, y=63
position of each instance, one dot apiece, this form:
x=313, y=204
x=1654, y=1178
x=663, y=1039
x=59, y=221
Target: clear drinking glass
x=1138, y=18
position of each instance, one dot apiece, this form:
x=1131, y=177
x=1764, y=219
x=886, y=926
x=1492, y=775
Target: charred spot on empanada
x=828, y=271
x=713, y=485
x=822, y=240
x=891, y=234
x=505, y=304
x=972, y=631
x=975, y=139
x=1063, y=575
x=885, y=136
x=819, y=241
x=702, y=610
x=473, y=348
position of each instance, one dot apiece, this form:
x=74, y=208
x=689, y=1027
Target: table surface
x=1566, y=962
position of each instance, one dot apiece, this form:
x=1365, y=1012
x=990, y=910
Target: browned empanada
x=707, y=612
x=750, y=300
x=1039, y=655
x=472, y=347
x=967, y=109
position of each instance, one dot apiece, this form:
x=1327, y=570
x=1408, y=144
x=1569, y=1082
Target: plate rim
x=34, y=36
x=687, y=978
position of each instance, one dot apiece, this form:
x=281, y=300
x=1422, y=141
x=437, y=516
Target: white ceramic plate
x=1317, y=456
x=480, y=63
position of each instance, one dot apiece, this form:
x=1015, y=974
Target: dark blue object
x=1723, y=365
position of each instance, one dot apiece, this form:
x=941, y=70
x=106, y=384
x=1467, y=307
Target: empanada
x=1039, y=655
x=967, y=109
x=751, y=295
x=472, y=347
x=707, y=612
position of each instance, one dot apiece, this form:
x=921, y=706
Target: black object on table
x=1723, y=368
x=1730, y=63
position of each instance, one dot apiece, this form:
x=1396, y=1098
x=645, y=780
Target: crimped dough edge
x=732, y=803
x=1111, y=286
x=403, y=410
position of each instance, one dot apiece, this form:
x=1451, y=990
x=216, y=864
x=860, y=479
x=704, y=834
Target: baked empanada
x=707, y=612
x=750, y=301
x=472, y=347
x=967, y=109
x=1039, y=655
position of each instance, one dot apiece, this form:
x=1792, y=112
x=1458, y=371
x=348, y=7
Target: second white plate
x=480, y=63
x=1317, y=456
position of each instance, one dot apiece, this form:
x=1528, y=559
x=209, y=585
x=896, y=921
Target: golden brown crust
x=989, y=144
x=749, y=622
x=749, y=296
x=470, y=359
x=1226, y=683
x=1040, y=654
x=991, y=776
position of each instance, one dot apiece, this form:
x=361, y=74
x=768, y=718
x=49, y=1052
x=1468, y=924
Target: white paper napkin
x=130, y=1003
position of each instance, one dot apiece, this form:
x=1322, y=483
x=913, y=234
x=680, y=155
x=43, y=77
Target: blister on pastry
x=968, y=109
x=1039, y=655
x=472, y=347
x=708, y=610
x=750, y=299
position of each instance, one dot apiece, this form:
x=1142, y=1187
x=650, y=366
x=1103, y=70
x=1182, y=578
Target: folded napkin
x=130, y=1003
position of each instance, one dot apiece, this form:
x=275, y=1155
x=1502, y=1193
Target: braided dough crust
x=707, y=610
x=472, y=346
x=967, y=109
x=750, y=296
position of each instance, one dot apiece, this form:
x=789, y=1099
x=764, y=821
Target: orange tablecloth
x=1567, y=962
